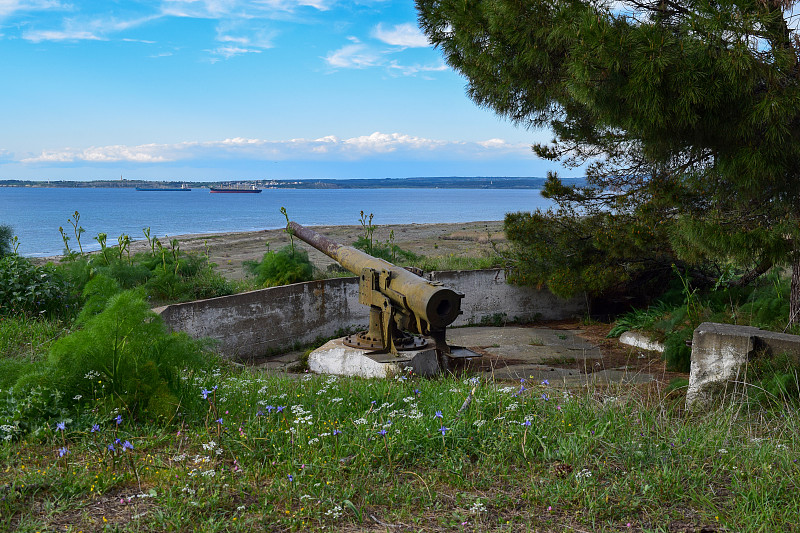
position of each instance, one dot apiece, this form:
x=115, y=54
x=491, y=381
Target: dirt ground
x=230, y=250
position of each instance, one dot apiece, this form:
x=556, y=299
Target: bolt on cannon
x=407, y=311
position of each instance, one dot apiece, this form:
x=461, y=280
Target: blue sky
x=230, y=89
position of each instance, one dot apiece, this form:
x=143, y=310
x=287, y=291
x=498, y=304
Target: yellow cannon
x=402, y=303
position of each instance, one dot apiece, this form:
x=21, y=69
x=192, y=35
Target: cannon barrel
x=436, y=305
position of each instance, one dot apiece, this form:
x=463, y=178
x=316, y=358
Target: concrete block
x=334, y=357
x=719, y=355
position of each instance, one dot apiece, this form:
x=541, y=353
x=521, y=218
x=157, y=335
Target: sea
x=36, y=214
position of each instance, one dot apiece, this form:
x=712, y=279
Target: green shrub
x=6, y=236
x=27, y=289
x=123, y=356
x=287, y=265
x=387, y=251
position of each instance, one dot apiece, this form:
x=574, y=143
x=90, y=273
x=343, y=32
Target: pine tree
x=689, y=109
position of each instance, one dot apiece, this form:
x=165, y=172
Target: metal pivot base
x=365, y=341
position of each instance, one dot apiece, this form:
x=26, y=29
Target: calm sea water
x=36, y=214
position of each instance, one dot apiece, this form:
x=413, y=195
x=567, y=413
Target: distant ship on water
x=251, y=190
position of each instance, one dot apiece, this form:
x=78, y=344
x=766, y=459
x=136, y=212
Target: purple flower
x=545, y=397
x=438, y=414
x=111, y=448
x=118, y=419
x=205, y=392
x=291, y=478
x=280, y=408
x=444, y=430
x=219, y=421
x=382, y=432
x=417, y=391
x=545, y=382
x=95, y=428
x=61, y=426
x=526, y=423
x=127, y=445
x=336, y=432
x=63, y=451
x=270, y=408
x=259, y=413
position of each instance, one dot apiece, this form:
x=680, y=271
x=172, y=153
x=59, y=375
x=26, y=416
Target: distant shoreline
x=453, y=182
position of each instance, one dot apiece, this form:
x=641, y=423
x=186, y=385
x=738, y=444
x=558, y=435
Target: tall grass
x=347, y=454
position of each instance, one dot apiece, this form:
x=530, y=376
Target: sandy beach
x=230, y=250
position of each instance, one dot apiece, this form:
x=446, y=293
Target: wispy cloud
x=406, y=35
x=11, y=7
x=324, y=148
x=399, y=38
x=61, y=35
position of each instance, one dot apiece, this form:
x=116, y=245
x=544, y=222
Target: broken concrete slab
x=641, y=341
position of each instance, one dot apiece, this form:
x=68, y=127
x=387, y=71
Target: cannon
x=406, y=311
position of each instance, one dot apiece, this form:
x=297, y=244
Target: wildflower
x=382, y=432
x=111, y=448
x=118, y=419
x=438, y=414
x=219, y=421
x=526, y=423
x=417, y=391
x=291, y=478
x=545, y=382
x=61, y=426
x=205, y=392
x=336, y=432
x=63, y=451
x=280, y=408
x=545, y=397
x=95, y=428
x=444, y=430
x=127, y=445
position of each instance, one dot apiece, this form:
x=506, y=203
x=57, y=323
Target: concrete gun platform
x=517, y=352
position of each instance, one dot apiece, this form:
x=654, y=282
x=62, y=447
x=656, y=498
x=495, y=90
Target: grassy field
x=453, y=454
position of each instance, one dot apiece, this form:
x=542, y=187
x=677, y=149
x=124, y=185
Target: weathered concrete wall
x=254, y=323
x=720, y=353
x=487, y=295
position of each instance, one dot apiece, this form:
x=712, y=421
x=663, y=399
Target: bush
x=6, y=236
x=30, y=290
x=125, y=357
x=287, y=265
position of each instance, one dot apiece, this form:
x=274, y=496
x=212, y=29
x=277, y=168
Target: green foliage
x=387, y=251
x=287, y=265
x=599, y=254
x=6, y=237
x=639, y=319
x=676, y=112
x=123, y=356
x=31, y=290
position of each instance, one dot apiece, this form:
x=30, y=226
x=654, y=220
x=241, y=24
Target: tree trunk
x=794, y=295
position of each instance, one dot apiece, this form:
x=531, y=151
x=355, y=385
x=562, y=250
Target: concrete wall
x=255, y=323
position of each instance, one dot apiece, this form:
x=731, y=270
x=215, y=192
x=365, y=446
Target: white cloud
x=10, y=7
x=354, y=56
x=406, y=35
x=60, y=35
x=329, y=148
